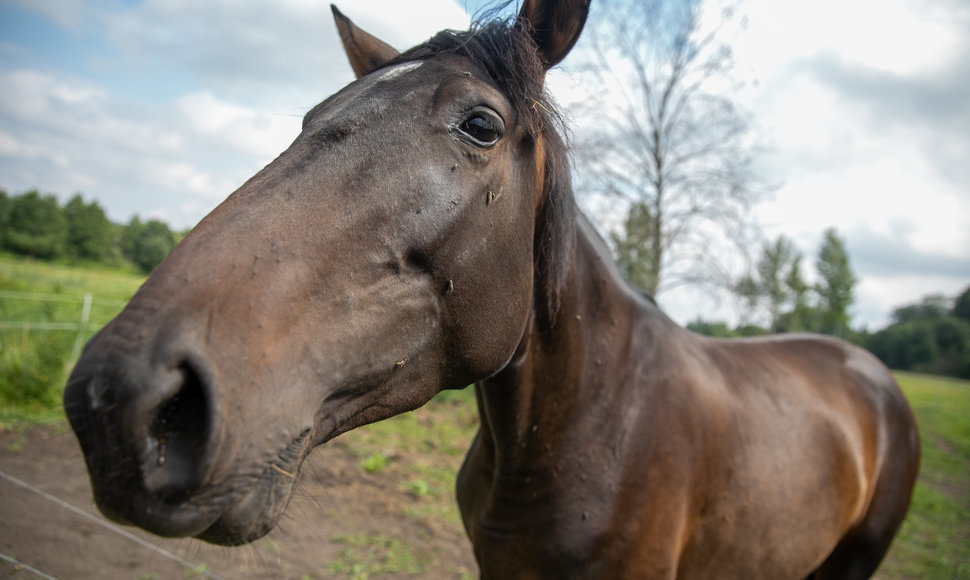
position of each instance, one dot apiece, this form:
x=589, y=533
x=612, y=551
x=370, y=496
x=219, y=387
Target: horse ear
x=364, y=51
x=556, y=25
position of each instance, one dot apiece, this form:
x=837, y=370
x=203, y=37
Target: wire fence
x=192, y=569
x=81, y=327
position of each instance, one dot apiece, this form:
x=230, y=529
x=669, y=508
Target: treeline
x=777, y=293
x=38, y=226
x=930, y=336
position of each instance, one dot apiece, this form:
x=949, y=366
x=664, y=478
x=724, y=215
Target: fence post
x=81, y=328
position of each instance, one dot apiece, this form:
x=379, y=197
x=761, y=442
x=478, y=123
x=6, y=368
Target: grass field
x=935, y=540
x=34, y=358
x=933, y=544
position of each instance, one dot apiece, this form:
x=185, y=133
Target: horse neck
x=560, y=377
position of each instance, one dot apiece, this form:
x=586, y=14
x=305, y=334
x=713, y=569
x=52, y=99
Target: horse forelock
x=505, y=50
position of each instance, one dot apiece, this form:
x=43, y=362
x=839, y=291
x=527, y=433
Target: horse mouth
x=256, y=510
x=238, y=511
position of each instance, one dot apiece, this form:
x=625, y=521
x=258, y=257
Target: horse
x=421, y=234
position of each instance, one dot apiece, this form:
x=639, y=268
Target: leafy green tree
x=35, y=226
x=961, y=306
x=150, y=243
x=906, y=346
x=89, y=233
x=926, y=337
x=921, y=353
x=930, y=307
x=880, y=345
x=773, y=269
x=750, y=330
x=834, y=289
x=715, y=329
x=749, y=291
x=777, y=287
x=5, y=203
x=802, y=316
x=635, y=252
x=952, y=336
x=127, y=236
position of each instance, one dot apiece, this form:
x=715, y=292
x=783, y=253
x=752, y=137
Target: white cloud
x=866, y=101
x=233, y=127
x=903, y=37
x=68, y=136
x=30, y=95
x=287, y=54
x=247, y=73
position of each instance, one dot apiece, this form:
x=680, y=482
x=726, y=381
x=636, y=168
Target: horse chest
x=547, y=525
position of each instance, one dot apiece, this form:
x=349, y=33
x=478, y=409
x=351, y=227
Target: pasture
x=39, y=304
x=935, y=540
x=377, y=502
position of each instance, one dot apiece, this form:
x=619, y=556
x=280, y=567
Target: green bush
x=32, y=373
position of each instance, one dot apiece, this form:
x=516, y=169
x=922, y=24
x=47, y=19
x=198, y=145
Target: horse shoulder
x=783, y=439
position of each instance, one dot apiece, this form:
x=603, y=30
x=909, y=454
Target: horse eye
x=483, y=129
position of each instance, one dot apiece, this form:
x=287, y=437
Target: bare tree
x=662, y=133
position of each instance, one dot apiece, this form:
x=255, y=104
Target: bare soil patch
x=343, y=523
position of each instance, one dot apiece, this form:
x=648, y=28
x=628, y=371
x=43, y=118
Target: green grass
x=366, y=554
x=934, y=542
x=434, y=439
x=33, y=361
x=374, y=463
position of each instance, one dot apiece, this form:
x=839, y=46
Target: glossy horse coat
x=420, y=235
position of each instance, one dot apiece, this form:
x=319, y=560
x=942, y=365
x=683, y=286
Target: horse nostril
x=177, y=439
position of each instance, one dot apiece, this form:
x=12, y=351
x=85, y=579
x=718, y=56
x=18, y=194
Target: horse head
x=400, y=246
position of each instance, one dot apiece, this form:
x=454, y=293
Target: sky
x=162, y=108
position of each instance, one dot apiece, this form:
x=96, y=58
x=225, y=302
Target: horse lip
x=153, y=514
x=255, y=511
x=225, y=514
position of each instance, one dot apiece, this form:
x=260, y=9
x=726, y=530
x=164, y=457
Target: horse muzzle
x=159, y=452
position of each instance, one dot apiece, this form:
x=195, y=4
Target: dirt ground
x=343, y=523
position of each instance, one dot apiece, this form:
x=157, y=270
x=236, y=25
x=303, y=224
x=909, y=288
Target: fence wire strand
x=105, y=524
x=18, y=565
